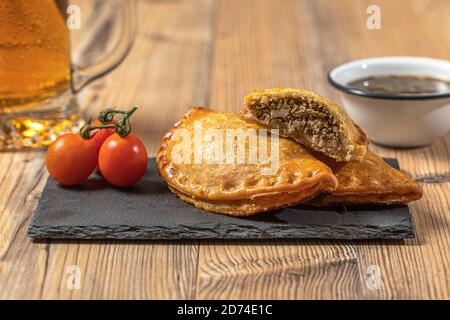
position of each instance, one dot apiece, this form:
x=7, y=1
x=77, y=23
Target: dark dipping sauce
x=399, y=84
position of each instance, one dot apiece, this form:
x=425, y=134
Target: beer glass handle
x=124, y=10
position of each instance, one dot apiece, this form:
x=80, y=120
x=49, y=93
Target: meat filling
x=303, y=119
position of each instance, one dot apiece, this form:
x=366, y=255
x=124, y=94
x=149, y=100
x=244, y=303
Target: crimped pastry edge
x=161, y=160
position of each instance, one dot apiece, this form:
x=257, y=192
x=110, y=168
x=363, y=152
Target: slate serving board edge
x=221, y=231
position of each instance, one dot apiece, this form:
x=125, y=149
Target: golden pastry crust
x=234, y=188
x=308, y=118
x=247, y=207
x=371, y=181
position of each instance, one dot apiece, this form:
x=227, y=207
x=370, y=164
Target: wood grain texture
x=212, y=52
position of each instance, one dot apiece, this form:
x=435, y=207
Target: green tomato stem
x=122, y=127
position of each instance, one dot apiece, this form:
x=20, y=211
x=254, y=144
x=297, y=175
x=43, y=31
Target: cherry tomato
x=123, y=161
x=70, y=159
x=100, y=135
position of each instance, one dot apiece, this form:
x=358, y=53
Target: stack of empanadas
x=288, y=146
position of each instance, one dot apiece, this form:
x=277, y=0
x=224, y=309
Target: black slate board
x=149, y=210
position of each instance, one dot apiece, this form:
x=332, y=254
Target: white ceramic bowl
x=391, y=119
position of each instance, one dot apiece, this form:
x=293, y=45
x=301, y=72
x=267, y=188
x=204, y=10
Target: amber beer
x=38, y=83
x=34, y=52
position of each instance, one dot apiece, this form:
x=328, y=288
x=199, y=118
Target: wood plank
x=263, y=44
x=278, y=270
x=22, y=264
x=251, y=44
x=167, y=70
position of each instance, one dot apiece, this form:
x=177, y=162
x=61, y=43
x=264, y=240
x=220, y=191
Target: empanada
x=239, y=187
x=371, y=181
x=310, y=119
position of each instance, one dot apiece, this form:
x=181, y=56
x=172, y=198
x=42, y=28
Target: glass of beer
x=38, y=81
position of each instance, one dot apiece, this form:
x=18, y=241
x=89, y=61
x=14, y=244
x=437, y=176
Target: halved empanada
x=371, y=181
x=310, y=119
x=237, y=185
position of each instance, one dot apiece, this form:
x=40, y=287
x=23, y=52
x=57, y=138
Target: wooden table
x=211, y=53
